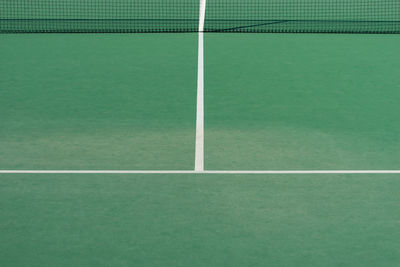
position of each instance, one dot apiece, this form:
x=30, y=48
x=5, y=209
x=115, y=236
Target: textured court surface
x=302, y=102
x=272, y=102
x=199, y=220
x=98, y=101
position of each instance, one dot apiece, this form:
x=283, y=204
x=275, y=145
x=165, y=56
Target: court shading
x=97, y=101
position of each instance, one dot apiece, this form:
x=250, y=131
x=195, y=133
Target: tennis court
x=207, y=134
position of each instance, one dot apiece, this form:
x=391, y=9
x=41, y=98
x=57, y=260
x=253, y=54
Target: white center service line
x=199, y=153
x=200, y=172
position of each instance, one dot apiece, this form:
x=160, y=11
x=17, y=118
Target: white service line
x=201, y=172
x=199, y=153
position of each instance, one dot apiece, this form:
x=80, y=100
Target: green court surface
x=128, y=102
x=199, y=220
x=302, y=102
x=97, y=101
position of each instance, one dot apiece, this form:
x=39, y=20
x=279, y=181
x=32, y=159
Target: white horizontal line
x=202, y=172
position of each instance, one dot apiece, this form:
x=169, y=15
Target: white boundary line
x=199, y=153
x=201, y=172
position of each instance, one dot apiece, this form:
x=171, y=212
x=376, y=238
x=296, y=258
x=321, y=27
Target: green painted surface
x=302, y=101
x=97, y=101
x=128, y=102
x=199, y=220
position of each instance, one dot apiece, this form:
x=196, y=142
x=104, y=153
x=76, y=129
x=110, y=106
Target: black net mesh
x=99, y=16
x=316, y=16
x=109, y=16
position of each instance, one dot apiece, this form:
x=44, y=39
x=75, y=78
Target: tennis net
x=119, y=16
